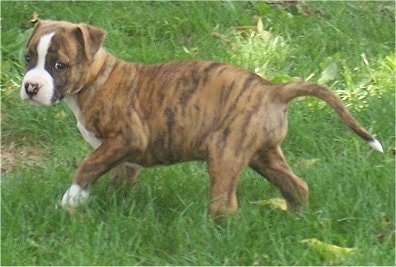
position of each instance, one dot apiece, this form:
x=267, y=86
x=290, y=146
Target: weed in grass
x=163, y=220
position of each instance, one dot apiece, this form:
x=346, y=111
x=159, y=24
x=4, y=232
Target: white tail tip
x=376, y=145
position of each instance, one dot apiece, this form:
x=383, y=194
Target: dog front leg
x=109, y=154
x=126, y=174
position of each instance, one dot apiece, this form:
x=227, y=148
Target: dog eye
x=59, y=66
x=27, y=59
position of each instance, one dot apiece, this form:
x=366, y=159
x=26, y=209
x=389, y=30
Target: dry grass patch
x=14, y=157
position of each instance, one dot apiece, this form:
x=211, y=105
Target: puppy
x=145, y=115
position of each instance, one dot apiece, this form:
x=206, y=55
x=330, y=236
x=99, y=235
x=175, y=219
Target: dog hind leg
x=272, y=165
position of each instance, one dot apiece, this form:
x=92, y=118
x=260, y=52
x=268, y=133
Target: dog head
x=57, y=57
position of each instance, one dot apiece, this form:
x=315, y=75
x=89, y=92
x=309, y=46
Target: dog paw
x=74, y=196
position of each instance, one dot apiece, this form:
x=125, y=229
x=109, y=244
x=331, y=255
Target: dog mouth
x=32, y=101
x=57, y=97
x=37, y=101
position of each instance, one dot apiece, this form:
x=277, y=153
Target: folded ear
x=91, y=39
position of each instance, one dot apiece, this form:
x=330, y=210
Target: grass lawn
x=163, y=220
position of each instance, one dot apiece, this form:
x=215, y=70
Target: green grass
x=163, y=219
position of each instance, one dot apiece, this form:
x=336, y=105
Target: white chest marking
x=88, y=136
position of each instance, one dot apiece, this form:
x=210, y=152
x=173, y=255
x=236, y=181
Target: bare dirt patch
x=14, y=157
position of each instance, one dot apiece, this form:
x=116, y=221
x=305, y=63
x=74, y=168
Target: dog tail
x=289, y=91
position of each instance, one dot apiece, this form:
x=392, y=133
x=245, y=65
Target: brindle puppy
x=146, y=115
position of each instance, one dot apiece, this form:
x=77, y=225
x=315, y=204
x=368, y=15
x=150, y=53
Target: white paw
x=74, y=196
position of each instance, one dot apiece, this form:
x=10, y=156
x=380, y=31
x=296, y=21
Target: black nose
x=31, y=89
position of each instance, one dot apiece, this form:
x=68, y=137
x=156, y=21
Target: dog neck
x=100, y=71
x=101, y=68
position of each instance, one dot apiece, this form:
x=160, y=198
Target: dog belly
x=165, y=153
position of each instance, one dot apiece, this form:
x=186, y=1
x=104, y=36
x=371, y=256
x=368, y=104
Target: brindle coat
x=181, y=111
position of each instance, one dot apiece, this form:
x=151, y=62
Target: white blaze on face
x=38, y=77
